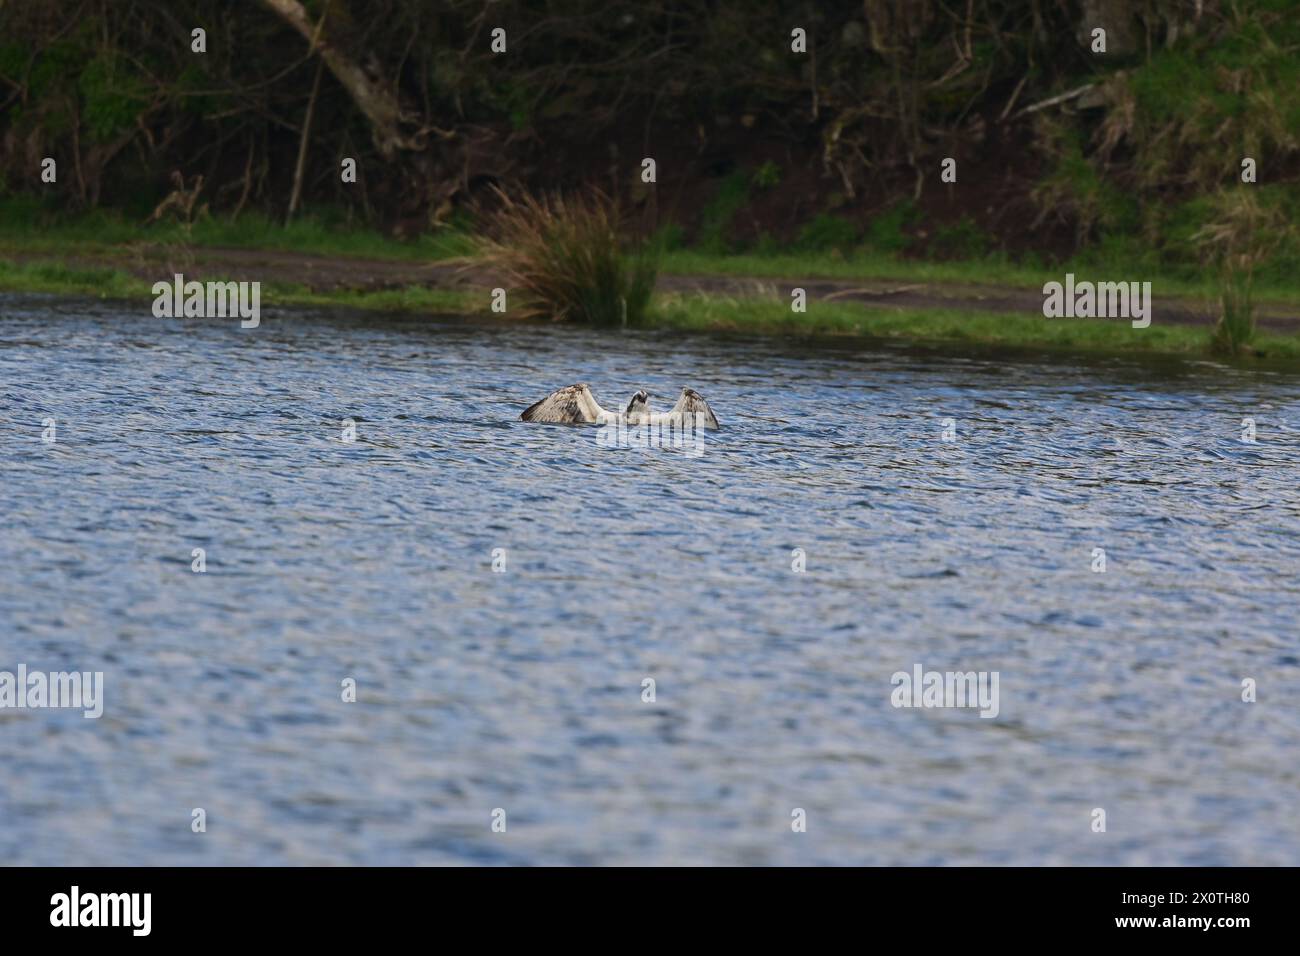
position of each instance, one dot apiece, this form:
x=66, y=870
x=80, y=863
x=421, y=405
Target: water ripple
x=522, y=690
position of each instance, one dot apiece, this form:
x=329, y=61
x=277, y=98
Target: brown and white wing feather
x=692, y=402
x=571, y=405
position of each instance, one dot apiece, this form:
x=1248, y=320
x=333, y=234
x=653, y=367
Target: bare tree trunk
x=379, y=104
x=296, y=195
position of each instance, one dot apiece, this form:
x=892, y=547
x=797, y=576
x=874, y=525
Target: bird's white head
x=638, y=410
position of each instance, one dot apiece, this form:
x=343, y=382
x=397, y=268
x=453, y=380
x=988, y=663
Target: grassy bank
x=939, y=327
x=29, y=228
x=951, y=326
x=27, y=225
x=992, y=271
x=109, y=283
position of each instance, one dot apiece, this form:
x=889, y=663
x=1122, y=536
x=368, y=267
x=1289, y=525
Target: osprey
x=575, y=405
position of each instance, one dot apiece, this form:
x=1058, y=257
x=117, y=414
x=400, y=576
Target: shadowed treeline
x=1134, y=155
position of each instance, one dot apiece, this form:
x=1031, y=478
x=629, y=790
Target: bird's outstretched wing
x=692, y=403
x=571, y=405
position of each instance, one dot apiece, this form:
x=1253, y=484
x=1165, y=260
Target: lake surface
x=521, y=690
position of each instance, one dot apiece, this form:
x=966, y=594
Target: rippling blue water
x=522, y=690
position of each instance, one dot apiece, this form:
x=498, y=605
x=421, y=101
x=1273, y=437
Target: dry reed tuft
x=566, y=259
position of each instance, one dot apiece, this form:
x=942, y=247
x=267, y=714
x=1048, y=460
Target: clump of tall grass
x=1243, y=234
x=1235, y=329
x=566, y=258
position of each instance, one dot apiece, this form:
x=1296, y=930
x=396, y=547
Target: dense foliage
x=757, y=146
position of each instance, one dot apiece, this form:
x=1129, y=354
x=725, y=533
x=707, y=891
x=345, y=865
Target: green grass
x=56, y=277
x=715, y=219
x=407, y=299
x=949, y=326
x=108, y=283
x=826, y=232
x=939, y=327
x=1236, y=326
x=27, y=225
x=990, y=271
